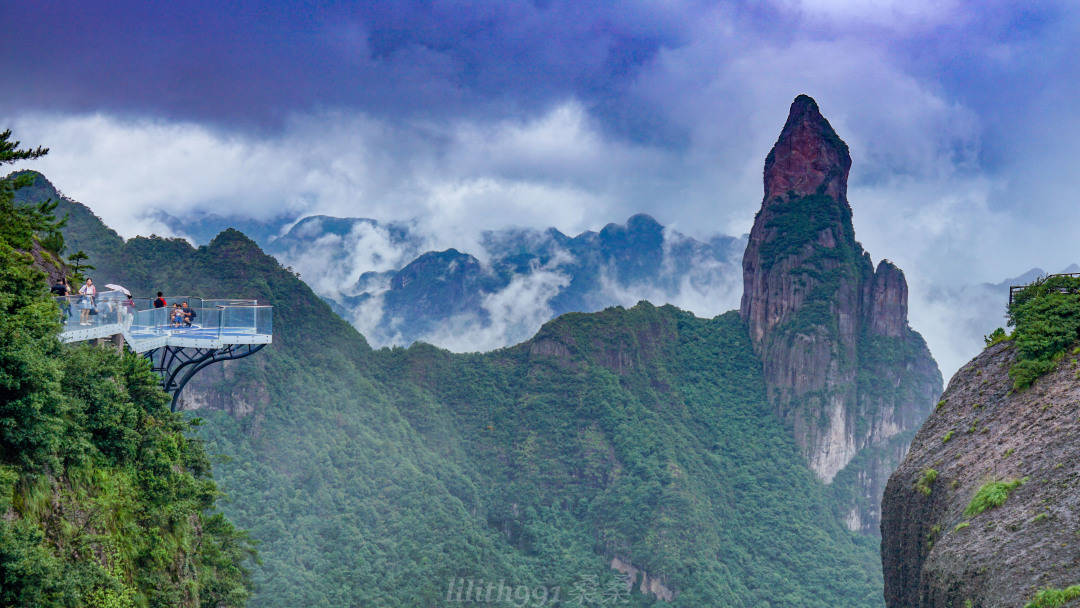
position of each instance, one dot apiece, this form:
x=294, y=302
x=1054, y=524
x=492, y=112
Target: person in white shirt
x=86, y=302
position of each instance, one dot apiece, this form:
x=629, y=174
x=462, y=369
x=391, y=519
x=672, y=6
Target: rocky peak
x=808, y=158
x=887, y=304
x=830, y=329
x=803, y=213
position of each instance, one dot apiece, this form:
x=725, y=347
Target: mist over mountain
x=351, y=262
x=384, y=278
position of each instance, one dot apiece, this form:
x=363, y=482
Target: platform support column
x=178, y=365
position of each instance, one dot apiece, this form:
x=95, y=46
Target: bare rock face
x=842, y=366
x=888, y=301
x=934, y=554
x=808, y=158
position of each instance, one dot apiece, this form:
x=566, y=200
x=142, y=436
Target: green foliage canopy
x=1046, y=317
x=104, y=499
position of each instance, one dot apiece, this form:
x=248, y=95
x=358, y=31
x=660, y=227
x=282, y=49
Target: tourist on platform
x=87, y=293
x=61, y=289
x=127, y=307
x=177, y=316
x=189, y=314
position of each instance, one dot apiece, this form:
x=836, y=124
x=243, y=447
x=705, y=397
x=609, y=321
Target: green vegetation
x=948, y=436
x=961, y=526
x=372, y=478
x=798, y=225
x=77, y=264
x=929, y=476
x=991, y=495
x=997, y=336
x=1046, y=317
x=104, y=499
x=1054, y=598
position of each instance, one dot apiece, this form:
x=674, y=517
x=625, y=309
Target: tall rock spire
x=842, y=366
x=804, y=212
x=808, y=158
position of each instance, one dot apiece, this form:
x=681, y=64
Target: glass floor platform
x=202, y=323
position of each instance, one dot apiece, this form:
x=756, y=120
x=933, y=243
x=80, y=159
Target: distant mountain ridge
x=380, y=278
x=387, y=281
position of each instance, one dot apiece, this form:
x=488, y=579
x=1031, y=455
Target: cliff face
x=934, y=554
x=842, y=367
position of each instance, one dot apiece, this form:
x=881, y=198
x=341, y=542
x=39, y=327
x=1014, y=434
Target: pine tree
x=77, y=266
x=26, y=224
x=10, y=152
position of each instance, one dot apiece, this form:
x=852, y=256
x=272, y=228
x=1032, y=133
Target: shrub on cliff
x=1054, y=598
x=1046, y=315
x=991, y=495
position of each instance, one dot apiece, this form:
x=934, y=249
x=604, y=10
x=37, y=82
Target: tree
x=104, y=499
x=26, y=223
x=77, y=266
x=10, y=152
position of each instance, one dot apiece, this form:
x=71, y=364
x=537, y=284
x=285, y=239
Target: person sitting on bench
x=189, y=314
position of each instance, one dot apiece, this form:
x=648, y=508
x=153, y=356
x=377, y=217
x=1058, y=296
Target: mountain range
x=733, y=460
x=385, y=279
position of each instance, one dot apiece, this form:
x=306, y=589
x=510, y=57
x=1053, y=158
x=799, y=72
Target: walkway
x=217, y=323
x=220, y=330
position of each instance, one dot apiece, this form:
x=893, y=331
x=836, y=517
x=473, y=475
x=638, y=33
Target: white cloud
x=455, y=179
x=891, y=14
x=514, y=313
x=709, y=288
x=331, y=264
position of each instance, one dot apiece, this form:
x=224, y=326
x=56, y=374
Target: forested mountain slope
x=105, y=499
x=376, y=477
x=641, y=440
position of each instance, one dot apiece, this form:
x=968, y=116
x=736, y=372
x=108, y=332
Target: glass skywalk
x=216, y=322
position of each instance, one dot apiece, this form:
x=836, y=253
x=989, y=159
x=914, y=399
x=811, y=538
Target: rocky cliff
x=842, y=367
x=984, y=438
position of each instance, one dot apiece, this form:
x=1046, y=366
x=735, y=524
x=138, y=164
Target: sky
x=463, y=116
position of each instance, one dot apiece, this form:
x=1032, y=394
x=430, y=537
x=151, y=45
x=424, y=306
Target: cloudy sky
x=962, y=117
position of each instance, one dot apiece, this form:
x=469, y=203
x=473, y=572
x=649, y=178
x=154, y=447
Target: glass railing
x=87, y=312
x=264, y=320
x=148, y=322
x=201, y=319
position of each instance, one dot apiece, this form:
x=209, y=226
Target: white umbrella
x=115, y=287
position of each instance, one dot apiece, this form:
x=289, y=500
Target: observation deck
x=177, y=347
x=1055, y=284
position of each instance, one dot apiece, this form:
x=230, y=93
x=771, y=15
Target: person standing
x=127, y=308
x=61, y=290
x=160, y=302
x=87, y=293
